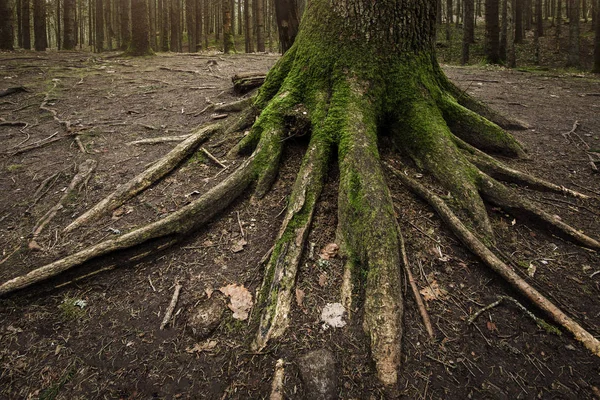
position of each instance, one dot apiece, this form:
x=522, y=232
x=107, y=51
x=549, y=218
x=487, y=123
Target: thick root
x=145, y=179
x=498, y=170
x=478, y=131
x=280, y=274
x=235, y=106
x=428, y=141
x=502, y=196
x=369, y=230
x=490, y=259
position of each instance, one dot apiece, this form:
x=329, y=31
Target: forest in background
x=557, y=33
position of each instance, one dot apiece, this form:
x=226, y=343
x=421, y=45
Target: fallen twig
x=37, y=145
x=161, y=139
x=44, y=107
x=171, y=308
x=277, y=384
x=213, y=158
x=573, y=130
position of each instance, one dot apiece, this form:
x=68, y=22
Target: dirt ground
x=94, y=332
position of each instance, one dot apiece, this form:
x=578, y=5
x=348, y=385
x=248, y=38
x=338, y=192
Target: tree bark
x=69, y=31
x=6, y=25
x=573, y=59
x=504, y=30
x=39, y=25
x=596, y=67
x=228, y=45
x=125, y=22
x=288, y=22
x=519, y=22
x=190, y=18
x=26, y=24
x=260, y=25
x=248, y=20
x=492, y=32
x=468, y=29
x=140, y=42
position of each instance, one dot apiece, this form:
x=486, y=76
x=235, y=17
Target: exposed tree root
x=275, y=294
x=36, y=145
x=11, y=90
x=235, y=106
x=145, y=179
x=500, y=171
x=84, y=173
x=492, y=261
x=45, y=107
x=161, y=139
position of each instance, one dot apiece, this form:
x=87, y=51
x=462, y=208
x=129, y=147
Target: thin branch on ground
x=171, y=308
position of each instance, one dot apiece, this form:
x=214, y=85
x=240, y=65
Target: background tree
x=492, y=32
x=596, y=67
x=573, y=55
x=288, y=22
x=468, y=29
x=6, y=25
x=140, y=41
x=39, y=25
x=70, y=38
x=260, y=25
x=228, y=45
x=124, y=26
x=99, y=26
x=190, y=19
x=26, y=24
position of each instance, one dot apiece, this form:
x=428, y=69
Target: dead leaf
x=239, y=245
x=322, y=279
x=34, y=246
x=329, y=251
x=200, y=347
x=240, y=300
x=209, y=291
x=491, y=326
x=300, y=297
x=433, y=292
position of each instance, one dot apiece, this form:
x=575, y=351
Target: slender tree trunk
x=492, y=32
x=596, y=67
x=558, y=23
x=6, y=25
x=449, y=19
x=190, y=17
x=260, y=26
x=125, y=22
x=468, y=18
x=199, y=26
x=240, y=18
x=165, y=25
x=438, y=4
x=503, y=30
x=228, y=45
x=26, y=23
x=174, y=19
x=248, y=21
x=458, y=12
x=69, y=24
x=539, y=19
x=140, y=42
x=152, y=12
x=573, y=56
x=519, y=34
x=206, y=22
x=39, y=25
x=58, y=26
x=511, y=53
x=19, y=10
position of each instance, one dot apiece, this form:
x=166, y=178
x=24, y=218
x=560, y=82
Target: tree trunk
x=58, y=30
x=248, y=21
x=69, y=31
x=39, y=25
x=596, y=67
x=573, y=56
x=260, y=25
x=228, y=45
x=468, y=29
x=164, y=46
x=140, y=41
x=492, y=32
x=199, y=24
x=519, y=34
x=6, y=25
x=99, y=26
x=125, y=22
x=190, y=19
x=26, y=24
x=539, y=18
x=152, y=29
x=288, y=22
x=504, y=30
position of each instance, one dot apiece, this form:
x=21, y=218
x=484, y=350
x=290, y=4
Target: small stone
x=319, y=374
x=206, y=317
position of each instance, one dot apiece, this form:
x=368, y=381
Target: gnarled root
x=280, y=273
x=146, y=178
x=492, y=261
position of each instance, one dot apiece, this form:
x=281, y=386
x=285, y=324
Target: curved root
x=478, y=131
x=490, y=259
x=502, y=196
x=280, y=274
x=145, y=179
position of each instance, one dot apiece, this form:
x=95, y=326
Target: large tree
x=6, y=25
x=360, y=71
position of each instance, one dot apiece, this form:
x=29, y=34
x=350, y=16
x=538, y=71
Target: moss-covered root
x=426, y=138
x=505, y=197
x=146, y=178
x=492, y=261
x=368, y=230
x=465, y=100
x=280, y=274
x=180, y=222
x=499, y=170
x=478, y=131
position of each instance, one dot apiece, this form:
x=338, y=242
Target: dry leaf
x=491, y=326
x=329, y=251
x=322, y=279
x=300, y=297
x=200, y=347
x=240, y=300
x=209, y=291
x=239, y=246
x=34, y=246
x=433, y=292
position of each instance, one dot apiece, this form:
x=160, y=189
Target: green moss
x=14, y=167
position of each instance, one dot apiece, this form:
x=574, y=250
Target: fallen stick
x=38, y=193
x=277, y=384
x=171, y=308
x=142, y=181
x=44, y=107
x=492, y=261
x=213, y=158
x=37, y=145
x=415, y=290
x=161, y=139
x=84, y=172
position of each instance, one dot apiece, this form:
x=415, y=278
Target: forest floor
x=99, y=337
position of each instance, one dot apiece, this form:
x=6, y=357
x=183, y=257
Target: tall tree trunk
x=511, y=56
x=199, y=26
x=19, y=10
x=492, y=32
x=519, y=34
x=503, y=30
x=190, y=18
x=596, y=67
x=228, y=45
x=174, y=19
x=140, y=41
x=539, y=19
x=39, y=25
x=573, y=56
x=449, y=19
x=469, y=9
x=6, y=25
x=288, y=22
x=125, y=28
x=248, y=24
x=206, y=4
x=69, y=30
x=240, y=18
x=458, y=12
x=58, y=26
x=152, y=29
x=26, y=23
x=99, y=26
x=260, y=26
x=164, y=35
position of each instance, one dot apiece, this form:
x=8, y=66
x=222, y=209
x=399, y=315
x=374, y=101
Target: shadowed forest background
x=156, y=105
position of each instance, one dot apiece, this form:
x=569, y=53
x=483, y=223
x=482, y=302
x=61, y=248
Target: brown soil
x=112, y=346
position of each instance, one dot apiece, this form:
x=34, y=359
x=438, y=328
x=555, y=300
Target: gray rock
x=206, y=317
x=319, y=374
